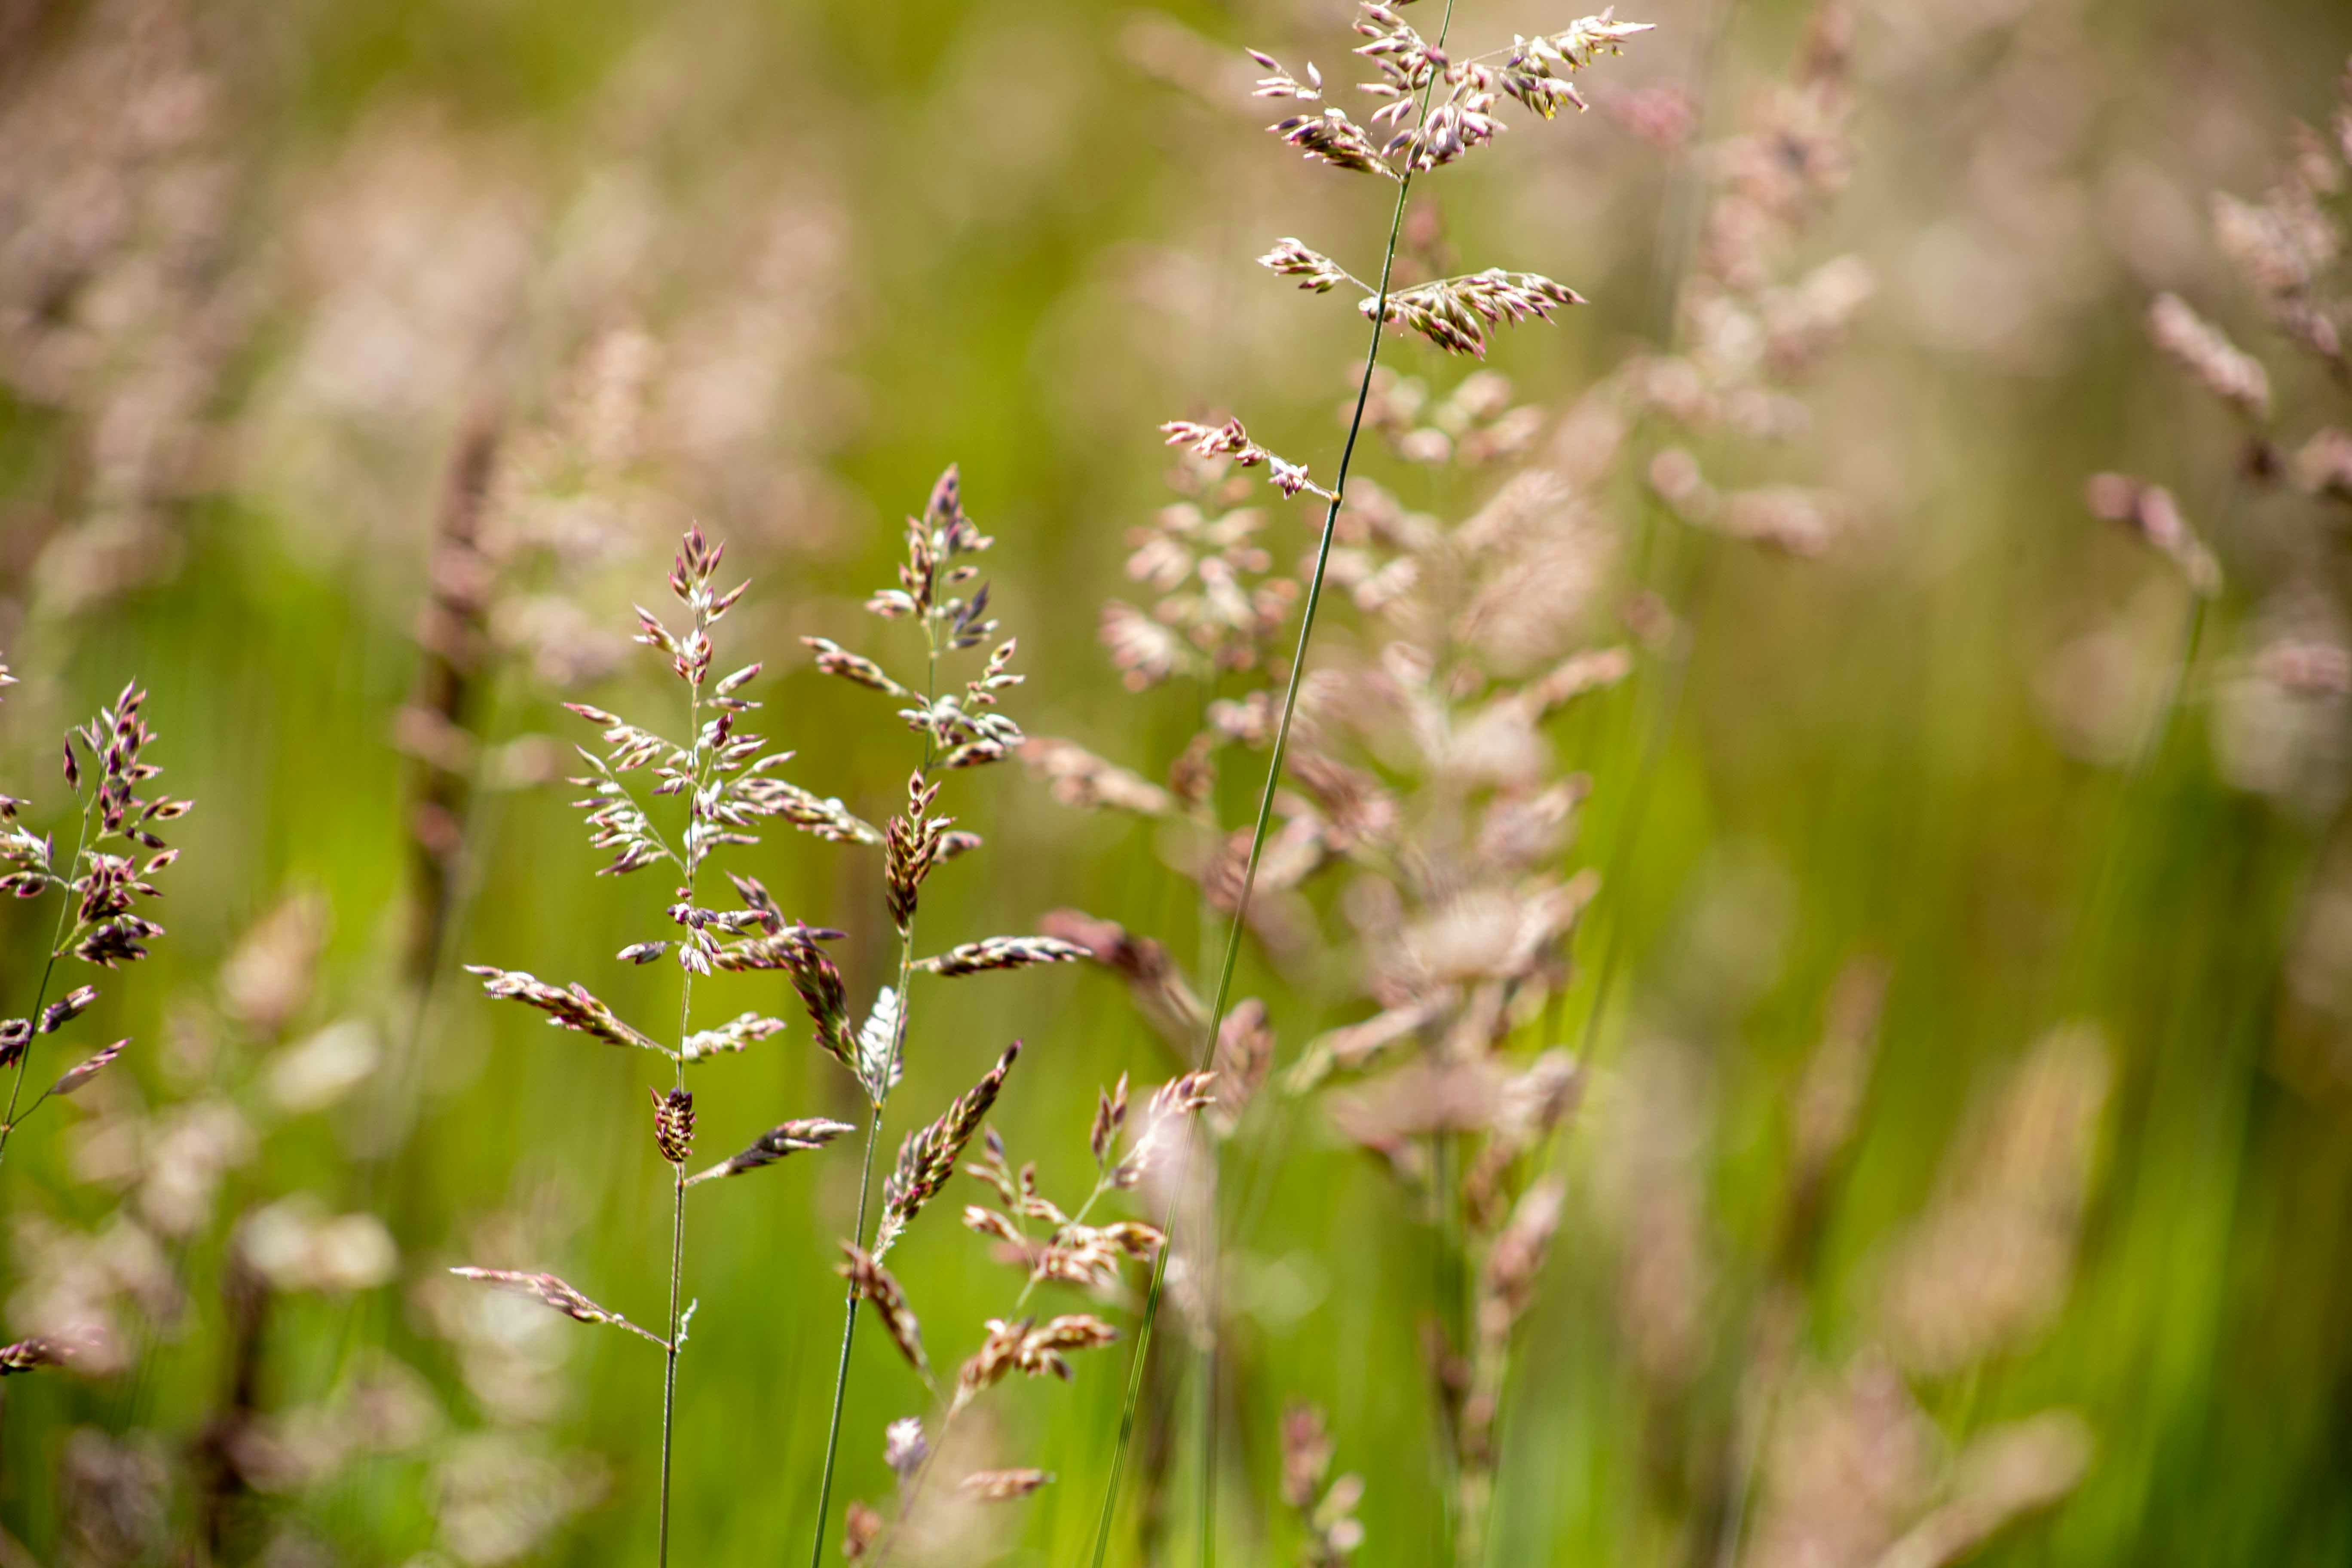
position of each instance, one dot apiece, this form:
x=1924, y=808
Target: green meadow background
x=865, y=241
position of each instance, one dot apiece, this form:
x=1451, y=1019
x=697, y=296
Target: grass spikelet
x=873, y=1284
x=928, y=1156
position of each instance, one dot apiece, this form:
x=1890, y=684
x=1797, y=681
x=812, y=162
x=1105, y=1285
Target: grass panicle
x=102, y=888
x=714, y=776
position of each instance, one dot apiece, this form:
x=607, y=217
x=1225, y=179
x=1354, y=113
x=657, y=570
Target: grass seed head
x=785, y=1138
x=673, y=1124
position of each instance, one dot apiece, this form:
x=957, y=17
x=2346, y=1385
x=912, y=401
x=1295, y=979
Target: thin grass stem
x=874, y=1126
x=849, y=1337
x=677, y=1191
x=1445, y=1285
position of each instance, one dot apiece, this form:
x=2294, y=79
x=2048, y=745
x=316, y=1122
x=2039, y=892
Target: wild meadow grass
x=1694, y=919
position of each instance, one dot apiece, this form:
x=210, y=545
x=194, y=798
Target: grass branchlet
x=1073, y=1249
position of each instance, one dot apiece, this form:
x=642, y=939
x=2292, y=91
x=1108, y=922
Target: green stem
x=1205, y=1521
x=669, y=1347
x=1249, y=873
x=2091, y=939
x=691, y=861
x=879, y=1093
x=849, y=1337
x=1447, y=1267
x=849, y=1303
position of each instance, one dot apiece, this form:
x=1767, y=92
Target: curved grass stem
x=849, y=1337
x=1143, y=1334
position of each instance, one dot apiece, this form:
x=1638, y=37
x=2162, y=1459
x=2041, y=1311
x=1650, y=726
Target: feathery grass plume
x=1435, y=1092
x=101, y=887
x=1457, y=834
x=1417, y=129
x=1426, y=775
x=962, y=730
x=722, y=776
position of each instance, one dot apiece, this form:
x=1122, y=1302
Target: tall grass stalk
x=678, y=1185
x=1144, y=1330
x=874, y=1122
x=725, y=780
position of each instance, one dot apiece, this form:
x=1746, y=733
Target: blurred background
x=1964, y=1016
